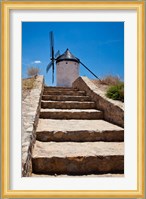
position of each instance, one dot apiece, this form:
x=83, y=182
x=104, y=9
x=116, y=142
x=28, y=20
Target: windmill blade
x=49, y=66
x=89, y=70
x=57, y=54
x=51, y=39
x=51, y=45
x=52, y=72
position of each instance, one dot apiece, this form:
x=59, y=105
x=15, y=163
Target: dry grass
x=33, y=71
x=28, y=83
x=107, y=81
x=110, y=80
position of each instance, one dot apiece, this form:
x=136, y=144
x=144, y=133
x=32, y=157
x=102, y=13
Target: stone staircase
x=72, y=137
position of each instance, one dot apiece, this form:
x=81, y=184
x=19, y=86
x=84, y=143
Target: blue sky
x=99, y=45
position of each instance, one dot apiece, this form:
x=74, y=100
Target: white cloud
x=37, y=62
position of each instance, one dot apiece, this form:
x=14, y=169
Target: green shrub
x=116, y=92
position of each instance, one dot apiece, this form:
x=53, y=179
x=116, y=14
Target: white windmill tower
x=67, y=66
x=67, y=69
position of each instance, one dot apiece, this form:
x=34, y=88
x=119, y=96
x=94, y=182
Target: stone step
x=64, y=92
x=47, y=88
x=71, y=114
x=65, y=98
x=78, y=158
x=90, y=175
x=78, y=131
x=67, y=104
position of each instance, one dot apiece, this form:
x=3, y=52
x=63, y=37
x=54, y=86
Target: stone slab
x=65, y=98
x=54, y=88
x=71, y=114
x=67, y=104
x=76, y=149
x=78, y=158
x=65, y=92
x=83, y=176
x=78, y=130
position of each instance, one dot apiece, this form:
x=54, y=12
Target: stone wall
x=113, y=110
x=31, y=105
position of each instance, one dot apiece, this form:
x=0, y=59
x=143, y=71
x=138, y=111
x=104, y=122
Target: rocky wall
x=113, y=110
x=31, y=105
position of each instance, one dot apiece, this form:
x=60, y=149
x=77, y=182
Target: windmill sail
x=57, y=54
x=52, y=57
x=89, y=70
x=51, y=45
x=49, y=66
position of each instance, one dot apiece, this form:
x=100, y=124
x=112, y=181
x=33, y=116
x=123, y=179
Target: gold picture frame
x=72, y=5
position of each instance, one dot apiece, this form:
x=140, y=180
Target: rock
x=30, y=111
x=78, y=158
x=113, y=110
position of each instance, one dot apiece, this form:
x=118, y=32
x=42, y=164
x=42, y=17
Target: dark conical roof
x=67, y=56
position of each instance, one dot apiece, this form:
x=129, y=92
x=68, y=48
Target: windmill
x=67, y=65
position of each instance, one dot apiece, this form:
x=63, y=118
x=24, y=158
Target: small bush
x=116, y=92
x=110, y=80
x=33, y=71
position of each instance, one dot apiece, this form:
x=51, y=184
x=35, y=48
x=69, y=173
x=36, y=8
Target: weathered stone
x=30, y=111
x=78, y=131
x=51, y=88
x=113, y=110
x=81, y=176
x=65, y=98
x=64, y=92
x=78, y=124
x=30, y=129
x=71, y=114
x=68, y=104
x=78, y=158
